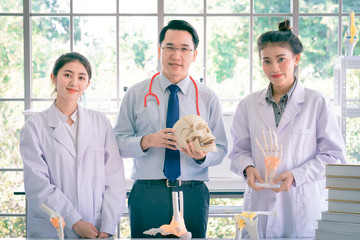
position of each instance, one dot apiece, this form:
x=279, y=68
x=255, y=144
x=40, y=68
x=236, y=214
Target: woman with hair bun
x=304, y=123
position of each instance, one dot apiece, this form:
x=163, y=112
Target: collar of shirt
x=270, y=97
x=183, y=84
x=64, y=118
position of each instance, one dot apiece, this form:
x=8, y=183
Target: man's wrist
x=144, y=143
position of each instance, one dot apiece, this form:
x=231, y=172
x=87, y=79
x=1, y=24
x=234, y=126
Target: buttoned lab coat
x=86, y=183
x=311, y=138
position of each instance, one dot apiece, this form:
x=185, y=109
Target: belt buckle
x=169, y=184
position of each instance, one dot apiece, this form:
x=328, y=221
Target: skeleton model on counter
x=351, y=35
x=249, y=221
x=56, y=220
x=272, y=156
x=177, y=225
x=194, y=129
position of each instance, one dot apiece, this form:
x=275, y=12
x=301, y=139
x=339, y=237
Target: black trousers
x=150, y=206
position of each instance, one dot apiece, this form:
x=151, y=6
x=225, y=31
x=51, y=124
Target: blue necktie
x=172, y=157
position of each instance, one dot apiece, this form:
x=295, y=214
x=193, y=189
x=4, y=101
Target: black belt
x=167, y=183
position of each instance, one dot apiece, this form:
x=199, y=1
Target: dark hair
x=180, y=25
x=284, y=35
x=71, y=57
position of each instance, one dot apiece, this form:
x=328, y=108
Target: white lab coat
x=86, y=183
x=311, y=138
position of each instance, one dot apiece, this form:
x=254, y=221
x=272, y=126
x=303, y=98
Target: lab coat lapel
x=293, y=106
x=59, y=132
x=266, y=113
x=84, y=134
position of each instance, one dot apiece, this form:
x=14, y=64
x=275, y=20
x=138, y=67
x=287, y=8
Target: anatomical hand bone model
x=249, y=221
x=56, y=220
x=194, y=129
x=272, y=156
x=177, y=224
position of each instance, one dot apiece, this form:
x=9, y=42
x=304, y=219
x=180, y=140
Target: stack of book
x=342, y=220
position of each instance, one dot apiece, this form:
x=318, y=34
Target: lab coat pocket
x=303, y=144
x=310, y=204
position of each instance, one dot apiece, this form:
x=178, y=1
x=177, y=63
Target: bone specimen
x=249, y=221
x=56, y=220
x=177, y=224
x=272, y=155
x=194, y=129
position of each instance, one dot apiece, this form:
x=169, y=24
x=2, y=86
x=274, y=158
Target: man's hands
x=191, y=152
x=164, y=138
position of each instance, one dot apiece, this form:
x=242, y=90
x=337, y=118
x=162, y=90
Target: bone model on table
x=194, y=129
x=272, y=156
x=351, y=36
x=177, y=224
x=56, y=220
x=249, y=221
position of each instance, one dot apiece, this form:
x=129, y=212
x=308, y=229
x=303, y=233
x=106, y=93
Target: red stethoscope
x=158, y=102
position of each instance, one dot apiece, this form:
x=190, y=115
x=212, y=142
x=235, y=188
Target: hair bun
x=285, y=25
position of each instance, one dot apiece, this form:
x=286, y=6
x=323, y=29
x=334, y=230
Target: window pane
x=353, y=88
x=51, y=6
x=11, y=121
x=13, y=227
x=345, y=27
x=262, y=25
x=352, y=140
x=11, y=6
x=10, y=203
x=50, y=39
x=319, y=6
x=138, y=6
x=95, y=38
x=12, y=57
x=228, y=59
x=351, y=5
x=225, y=6
x=86, y=6
x=41, y=105
x=138, y=50
x=319, y=37
x=197, y=68
x=272, y=6
x=185, y=6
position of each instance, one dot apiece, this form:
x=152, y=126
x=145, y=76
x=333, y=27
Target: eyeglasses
x=170, y=49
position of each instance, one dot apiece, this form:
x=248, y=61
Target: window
x=120, y=39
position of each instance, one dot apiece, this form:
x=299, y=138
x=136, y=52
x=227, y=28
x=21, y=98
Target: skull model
x=194, y=129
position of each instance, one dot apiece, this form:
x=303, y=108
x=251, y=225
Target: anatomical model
x=194, y=129
x=249, y=221
x=272, y=156
x=351, y=36
x=177, y=224
x=56, y=220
